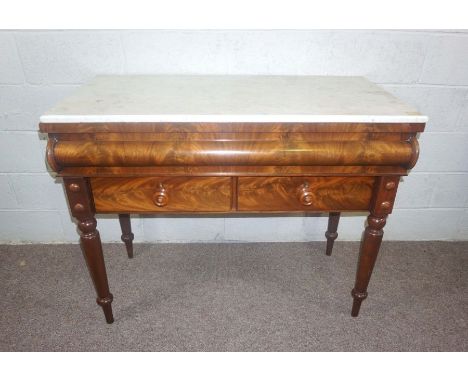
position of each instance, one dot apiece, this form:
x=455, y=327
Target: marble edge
x=290, y=118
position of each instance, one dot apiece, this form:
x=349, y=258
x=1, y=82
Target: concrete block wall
x=428, y=69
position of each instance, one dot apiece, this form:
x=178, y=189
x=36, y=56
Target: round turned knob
x=305, y=195
x=78, y=207
x=160, y=197
x=385, y=206
x=390, y=185
x=74, y=187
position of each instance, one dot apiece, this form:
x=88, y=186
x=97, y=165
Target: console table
x=230, y=145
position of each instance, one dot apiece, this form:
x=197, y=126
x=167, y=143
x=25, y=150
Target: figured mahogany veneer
x=304, y=193
x=162, y=194
x=218, y=194
x=237, y=153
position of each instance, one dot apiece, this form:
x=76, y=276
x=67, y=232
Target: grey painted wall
x=428, y=69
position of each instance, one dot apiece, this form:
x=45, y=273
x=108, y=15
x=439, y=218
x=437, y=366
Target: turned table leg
x=369, y=250
x=331, y=234
x=92, y=251
x=381, y=205
x=127, y=235
x=82, y=208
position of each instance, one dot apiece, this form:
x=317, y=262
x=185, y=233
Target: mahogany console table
x=230, y=144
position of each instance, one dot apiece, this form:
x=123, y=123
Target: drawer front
x=162, y=194
x=304, y=193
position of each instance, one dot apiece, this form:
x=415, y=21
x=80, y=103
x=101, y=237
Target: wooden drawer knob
x=305, y=195
x=160, y=197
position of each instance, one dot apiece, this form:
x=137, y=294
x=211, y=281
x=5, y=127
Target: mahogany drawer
x=159, y=194
x=304, y=193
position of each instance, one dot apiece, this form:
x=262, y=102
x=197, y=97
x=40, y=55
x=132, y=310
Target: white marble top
x=182, y=98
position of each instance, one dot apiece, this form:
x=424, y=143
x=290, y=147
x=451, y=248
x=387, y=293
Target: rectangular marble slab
x=183, y=98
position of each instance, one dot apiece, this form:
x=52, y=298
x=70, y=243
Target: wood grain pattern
x=236, y=153
x=285, y=193
x=154, y=127
x=197, y=171
x=183, y=194
x=220, y=136
x=50, y=154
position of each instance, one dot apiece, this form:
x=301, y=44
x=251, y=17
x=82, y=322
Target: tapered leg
x=369, y=250
x=92, y=251
x=331, y=234
x=127, y=235
x=381, y=205
x=82, y=208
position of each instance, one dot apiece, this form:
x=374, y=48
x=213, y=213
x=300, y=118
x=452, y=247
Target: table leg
x=92, y=251
x=331, y=234
x=127, y=235
x=82, y=208
x=369, y=250
x=381, y=206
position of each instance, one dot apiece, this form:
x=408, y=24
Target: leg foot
x=357, y=300
x=127, y=235
x=105, y=303
x=331, y=234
